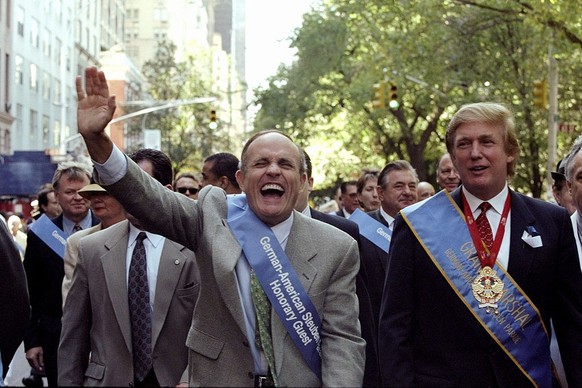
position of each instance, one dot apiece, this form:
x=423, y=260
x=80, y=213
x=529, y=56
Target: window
x=59, y=10
x=46, y=86
x=57, y=132
x=160, y=14
x=20, y=21
x=7, y=76
x=47, y=8
x=18, y=68
x=33, y=125
x=78, y=31
x=33, y=77
x=58, y=46
x=34, y=38
x=19, y=117
x=57, y=92
x=46, y=43
x=45, y=131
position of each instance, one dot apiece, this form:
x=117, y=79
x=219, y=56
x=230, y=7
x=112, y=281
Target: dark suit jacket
x=428, y=337
x=45, y=271
x=96, y=345
x=340, y=213
x=376, y=263
x=14, y=303
x=368, y=320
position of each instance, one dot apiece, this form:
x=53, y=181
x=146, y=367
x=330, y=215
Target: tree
x=440, y=55
x=186, y=136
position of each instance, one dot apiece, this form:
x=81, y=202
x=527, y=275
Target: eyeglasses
x=190, y=190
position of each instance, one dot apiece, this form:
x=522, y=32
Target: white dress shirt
x=153, y=244
x=389, y=219
x=494, y=218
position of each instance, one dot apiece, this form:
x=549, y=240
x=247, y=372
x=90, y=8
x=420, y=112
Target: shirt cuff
x=113, y=169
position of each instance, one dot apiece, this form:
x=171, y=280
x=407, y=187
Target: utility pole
x=553, y=117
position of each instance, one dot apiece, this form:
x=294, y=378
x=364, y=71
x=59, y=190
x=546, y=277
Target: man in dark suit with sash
x=44, y=265
x=368, y=320
x=474, y=277
x=277, y=301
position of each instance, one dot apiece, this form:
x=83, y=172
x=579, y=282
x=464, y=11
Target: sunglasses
x=190, y=190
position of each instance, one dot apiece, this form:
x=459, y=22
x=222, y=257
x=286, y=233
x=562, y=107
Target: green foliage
x=186, y=137
x=440, y=54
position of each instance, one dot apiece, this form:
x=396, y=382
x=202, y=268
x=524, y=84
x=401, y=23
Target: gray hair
x=73, y=170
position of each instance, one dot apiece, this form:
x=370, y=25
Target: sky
x=269, y=23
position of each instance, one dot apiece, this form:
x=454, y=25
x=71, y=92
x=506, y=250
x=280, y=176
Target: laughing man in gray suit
x=319, y=261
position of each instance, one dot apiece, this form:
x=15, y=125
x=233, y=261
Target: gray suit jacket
x=95, y=347
x=325, y=259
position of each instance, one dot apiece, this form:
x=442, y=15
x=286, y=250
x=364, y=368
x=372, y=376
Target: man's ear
x=240, y=175
x=223, y=182
x=302, y=181
x=310, y=184
x=380, y=191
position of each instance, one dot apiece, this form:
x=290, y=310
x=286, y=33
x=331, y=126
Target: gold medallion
x=487, y=289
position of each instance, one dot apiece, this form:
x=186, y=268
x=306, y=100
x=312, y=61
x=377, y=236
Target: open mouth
x=272, y=189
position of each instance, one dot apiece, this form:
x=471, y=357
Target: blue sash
x=378, y=233
x=50, y=234
x=440, y=227
x=278, y=279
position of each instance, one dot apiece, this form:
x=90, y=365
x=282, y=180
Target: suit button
x=251, y=375
x=246, y=343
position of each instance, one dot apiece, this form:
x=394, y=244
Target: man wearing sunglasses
x=187, y=184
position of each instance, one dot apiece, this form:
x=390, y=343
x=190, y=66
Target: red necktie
x=483, y=225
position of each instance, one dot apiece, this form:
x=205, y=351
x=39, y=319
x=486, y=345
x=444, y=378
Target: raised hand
x=95, y=108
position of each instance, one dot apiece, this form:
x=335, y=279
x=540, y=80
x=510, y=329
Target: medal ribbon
x=486, y=256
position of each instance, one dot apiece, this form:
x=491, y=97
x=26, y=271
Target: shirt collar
x=155, y=239
x=496, y=202
x=282, y=230
x=389, y=219
x=85, y=223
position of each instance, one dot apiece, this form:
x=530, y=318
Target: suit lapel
x=171, y=264
x=113, y=262
x=225, y=252
x=521, y=255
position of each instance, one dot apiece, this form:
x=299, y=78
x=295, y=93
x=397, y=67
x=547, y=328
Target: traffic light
x=393, y=97
x=540, y=94
x=379, y=101
x=213, y=124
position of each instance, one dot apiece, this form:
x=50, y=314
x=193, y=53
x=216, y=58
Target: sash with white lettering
x=278, y=279
x=378, y=233
x=50, y=234
x=518, y=329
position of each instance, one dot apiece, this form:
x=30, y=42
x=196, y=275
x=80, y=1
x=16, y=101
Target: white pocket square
x=532, y=241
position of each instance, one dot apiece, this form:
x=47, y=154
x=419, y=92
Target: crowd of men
x=233, y=280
